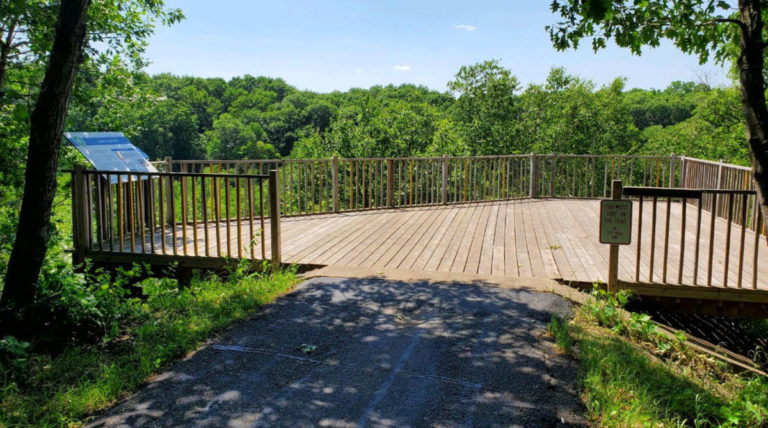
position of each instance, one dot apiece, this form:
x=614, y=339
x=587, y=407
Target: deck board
x=541, y=238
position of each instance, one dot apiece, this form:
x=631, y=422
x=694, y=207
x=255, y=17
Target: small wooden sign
x=615, y=221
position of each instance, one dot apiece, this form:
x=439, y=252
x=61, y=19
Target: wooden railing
x=314, y=186
x=704, y=174
x=679, y=248
x=176, y=213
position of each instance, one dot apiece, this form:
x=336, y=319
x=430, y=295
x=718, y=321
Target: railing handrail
x=432, y=157
x=681, y=193
x=169, y=174
x=717, y=163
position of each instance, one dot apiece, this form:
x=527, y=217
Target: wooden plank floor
x=539, y=238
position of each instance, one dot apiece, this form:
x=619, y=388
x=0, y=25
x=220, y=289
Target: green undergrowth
x=633, y=375
x=156, y=329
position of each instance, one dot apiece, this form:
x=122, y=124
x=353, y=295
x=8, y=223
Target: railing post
x=719, y=173
x=274, y=217
x=719, y=186
x=169, y=192
x=80, y=221
x=683, y=172
x=613, y=258
x=391, y=183
x=444, y=193
x=533, y=191
x=672, y=163
x=552, y=176
x=335, y=178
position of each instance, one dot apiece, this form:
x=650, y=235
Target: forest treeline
x=485, y=110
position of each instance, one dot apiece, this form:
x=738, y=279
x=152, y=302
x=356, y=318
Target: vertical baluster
x=699, y=207
x=249, y=193
x=238, y=207
x=728, y=240
x=216, y=211
x=151, y=212
x=639, y=239
x=712, y=216
x=129, y=211
x=204, y=214
x=682, y=241
x=312, y=179
x=304, y=173
x=351, y=189
x=183, y=201
x=653, y=239
x=140, y=211
x=120, y=206
x=99, y=214
x=110, y=211
x=227, y=211
x=172, y=213
x=666, y=241
x=261, y=220
x=742, y=238
x=193, y=183
x=758, y=229
x=161, y=204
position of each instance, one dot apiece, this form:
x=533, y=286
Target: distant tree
x=229, y=135
x=697, y=27
x=715, y=130
x=571, y=115
x=487, y=108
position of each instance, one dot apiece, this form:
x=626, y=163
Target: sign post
x=615, y=229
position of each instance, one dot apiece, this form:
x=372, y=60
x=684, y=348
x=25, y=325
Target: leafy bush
x=81, y=308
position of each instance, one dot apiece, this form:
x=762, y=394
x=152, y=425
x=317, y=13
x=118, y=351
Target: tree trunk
x=46, y=125
x=750, y=64
x=5, y=50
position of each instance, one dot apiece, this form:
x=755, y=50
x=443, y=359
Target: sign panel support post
x=613, y=259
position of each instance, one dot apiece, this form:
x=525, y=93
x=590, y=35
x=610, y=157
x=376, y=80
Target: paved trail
x=372, y=352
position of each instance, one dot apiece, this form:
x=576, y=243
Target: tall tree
x=46, y=125
x=696, y=27
x=487, y=107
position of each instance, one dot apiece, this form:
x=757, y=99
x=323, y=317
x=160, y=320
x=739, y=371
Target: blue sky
x=336, y=45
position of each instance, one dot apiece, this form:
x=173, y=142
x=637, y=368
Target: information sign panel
x=110, y=151
x=615, y=221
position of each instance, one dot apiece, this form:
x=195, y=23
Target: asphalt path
x=373, y=352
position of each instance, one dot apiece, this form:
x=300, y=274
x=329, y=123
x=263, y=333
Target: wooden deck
x=533, y=238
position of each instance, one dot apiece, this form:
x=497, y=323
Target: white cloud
x=402, y=67
x=358, y=70
x=466, y=27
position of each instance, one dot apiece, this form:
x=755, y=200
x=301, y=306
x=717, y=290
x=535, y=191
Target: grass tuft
x=559, y=330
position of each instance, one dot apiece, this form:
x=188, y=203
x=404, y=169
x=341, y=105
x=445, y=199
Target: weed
x=307, y=349
x=559, y=330
x=626, y=384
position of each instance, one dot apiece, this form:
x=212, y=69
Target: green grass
x=558, y=329
x=633, y=376
x=82, y=380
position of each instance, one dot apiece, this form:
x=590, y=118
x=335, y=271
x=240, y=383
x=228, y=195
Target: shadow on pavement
x=372, y=352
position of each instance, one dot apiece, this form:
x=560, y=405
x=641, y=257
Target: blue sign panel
x=110, y=151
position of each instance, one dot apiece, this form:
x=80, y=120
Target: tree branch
x=741, y=25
